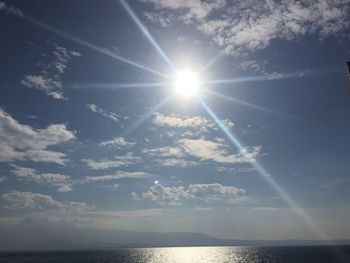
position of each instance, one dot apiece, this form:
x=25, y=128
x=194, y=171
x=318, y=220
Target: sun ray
x=268, y=178
x=145, y=116
x=121, y=85
x=273, y=76
x=248, y=104
x=89, y=45
x=211, y=62
x=146, y=33
x=237, y=80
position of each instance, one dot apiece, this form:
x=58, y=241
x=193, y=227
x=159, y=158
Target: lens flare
x=186, y=83
x=268, y=178
x=146, y=33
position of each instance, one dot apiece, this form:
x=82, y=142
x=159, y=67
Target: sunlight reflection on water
x=306, y=254
x=196, y=254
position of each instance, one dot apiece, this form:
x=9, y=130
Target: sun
x=186, y=83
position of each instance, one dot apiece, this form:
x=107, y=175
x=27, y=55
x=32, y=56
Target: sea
x=307, y=254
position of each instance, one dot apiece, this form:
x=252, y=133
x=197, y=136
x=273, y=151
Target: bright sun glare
x=186, y=83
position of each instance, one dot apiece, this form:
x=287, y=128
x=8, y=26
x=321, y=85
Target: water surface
x=318, y=254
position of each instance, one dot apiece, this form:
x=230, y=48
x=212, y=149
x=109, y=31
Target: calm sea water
x=190, y=255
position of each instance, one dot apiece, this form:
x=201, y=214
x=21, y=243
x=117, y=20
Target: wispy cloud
x=175, y=162
x=30, y=200
x=250, y=25
x=217, y=151
x=116, y=176
x=186, y=126
x=335, y=182
x=141, y=213
x=62, y=182
x=204, y=192
x=23, y=142
x=168, y=156
x=49, y=80
x=116, y=162
x=239, y=170
x=166, y=151
x=10, y=9
x=111, y=115
x=117, y=142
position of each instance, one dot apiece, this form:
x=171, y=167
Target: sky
x=93, y=135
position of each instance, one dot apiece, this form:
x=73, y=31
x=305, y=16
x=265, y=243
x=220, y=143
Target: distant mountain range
x=47, y=237
x=181, y=240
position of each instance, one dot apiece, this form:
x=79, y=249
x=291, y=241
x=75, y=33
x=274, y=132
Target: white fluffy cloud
x=62, y=182
x=217, y=151
x=23, y=142
x=49, y=79
x=205, y=192
x=118, y=161
x=186, y=126
x=178, y=121
x=29, y=200
x=252, y=24
x=118, y=175
x=110, y=115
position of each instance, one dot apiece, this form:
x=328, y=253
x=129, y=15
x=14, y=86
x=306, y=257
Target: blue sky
x=80, y=147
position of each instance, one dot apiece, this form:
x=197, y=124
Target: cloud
x=118, y=161
x=175, y=162
x=335, y=182
x=111, y=186
x=118, y=142
x=178, y=121
x=228, y=123
x=61, y=181
x=260, y=67
x=217, y=151
x=111, y=115
x=118, y=175
x=23, y=142
x=204, y=192
x=186, y=126
x=50, y=78
x=29, y=200
x=50, y=86
x=2, y=179
x=165, y=151
x=2, y=6
x=161, y=18
x=249, y=25
x=129, y=214
x=223, y=169
x=193, y=9
x=168, y=156
x=10, y=9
